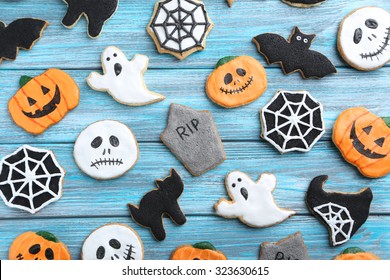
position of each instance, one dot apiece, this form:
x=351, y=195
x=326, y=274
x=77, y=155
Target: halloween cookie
x=355, y=253
x=292, y=121
x=230, y=2
x=294, y=54
x=303, y=3
x=342, y=213
x=44, y=100
x=96, y=12
x=159, y=202
x=200, y=251
x=19, y=34
x=179, y=27
x=289, y=248
x=252, y=202
x=123, y=79
x=193, y=138
x=41, y=245
x=236, y=81
x=106, y=150
x=364, y=141
x=364, y=38
x=30, y=179
x=115, y=242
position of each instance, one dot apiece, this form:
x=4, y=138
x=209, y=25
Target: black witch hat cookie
x=342, y=213
x=290, y=248
x=304, y=3
x=160, y=201
x=19, y=34
x=97, y=12
x=193, y=138
x=294, y=54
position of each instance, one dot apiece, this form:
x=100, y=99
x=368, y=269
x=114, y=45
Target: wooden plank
x=232, y=34
x=236, y=240
x=344, y=90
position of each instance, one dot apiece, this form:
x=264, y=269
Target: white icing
x=373, y=41
x=336, y=222
x=127, y=87
x=30, y=178
x=107, y=160
x=259, y=209
x=129, y=246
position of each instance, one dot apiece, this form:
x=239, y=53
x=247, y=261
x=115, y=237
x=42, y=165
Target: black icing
x=305, y=2
x=47, y=109
x=97, y=12
x=294, y=54
x=360, y=147
x=158, y=202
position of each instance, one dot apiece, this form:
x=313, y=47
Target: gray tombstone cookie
x=290, y=248
x=193, y=138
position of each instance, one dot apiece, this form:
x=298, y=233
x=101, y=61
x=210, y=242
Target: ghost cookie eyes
x=364, y=38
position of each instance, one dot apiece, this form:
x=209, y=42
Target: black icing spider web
x=30, y=179
x=180, y=25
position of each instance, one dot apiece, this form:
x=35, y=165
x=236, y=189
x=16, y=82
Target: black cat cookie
x=19, y=34
x=160, y=201
x=294, y=54
x=342, y=213
x=303, y=3
x=97, y=12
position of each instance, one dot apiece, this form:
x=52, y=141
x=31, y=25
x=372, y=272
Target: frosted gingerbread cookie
x=363, y=138
x=252, y=202
x=355, y=253
x=96, y=12
x=179, y=27
x=236, y=81
x=30, y=179
x=115, y=242
x=44, y=100
x=41, y=245
x=123, y=79
x=289, y=248
x=201, y=251
x=342, y=213
x=106, y=150
x=292, y=121
x=364, y=38
x=304, y=3
x=19, y=34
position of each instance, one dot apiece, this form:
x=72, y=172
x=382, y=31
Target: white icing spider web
x=30, y=179
x=338, y=219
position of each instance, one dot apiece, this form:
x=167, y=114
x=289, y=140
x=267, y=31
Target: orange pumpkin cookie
x=43, y=100
x=199, y=251
x=41, y=245
x=364, y=140
x=355, y=253
x=236, y=81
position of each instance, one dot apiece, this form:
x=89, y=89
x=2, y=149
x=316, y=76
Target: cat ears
x=172, y=176
x=296, y=30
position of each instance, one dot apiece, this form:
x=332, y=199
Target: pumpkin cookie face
x=355, y=253
x=41, y=245
x=201, y=251
x=236, y=81
x=363, y=139
x=44, y=100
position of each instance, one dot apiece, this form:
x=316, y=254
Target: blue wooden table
x=87, y=204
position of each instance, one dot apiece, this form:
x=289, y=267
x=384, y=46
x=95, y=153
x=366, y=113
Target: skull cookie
x=113, y=242
x=363, y=39
x=106, y=150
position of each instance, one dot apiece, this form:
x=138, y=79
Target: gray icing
x=290, y=248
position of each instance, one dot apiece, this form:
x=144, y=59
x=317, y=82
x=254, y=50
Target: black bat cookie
x=158, y=202
x=19, y=34
x=97, y=13
x=294, y=54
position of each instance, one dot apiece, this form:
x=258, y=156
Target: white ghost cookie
x=123, y=79
x=252, y=202
x=364, y=38
x=106, y=150
x=113, y=242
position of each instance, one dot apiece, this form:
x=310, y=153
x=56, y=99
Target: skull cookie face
x=364, y=38
x=106, y=150
x=113, y=242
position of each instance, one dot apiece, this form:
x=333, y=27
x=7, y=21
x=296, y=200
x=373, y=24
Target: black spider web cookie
x=292, y=121
x=30, y=179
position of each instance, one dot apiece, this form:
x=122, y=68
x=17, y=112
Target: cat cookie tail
x=136, y=214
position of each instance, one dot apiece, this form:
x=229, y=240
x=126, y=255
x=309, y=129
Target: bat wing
x=273, y=46
x=316, y=65
x=21, y=33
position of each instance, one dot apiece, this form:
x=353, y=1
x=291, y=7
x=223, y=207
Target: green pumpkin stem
x=24, y=80
x=225, y=60
x=353, y=250
x=204, y=246
x=387, y=121
x=48, y=236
